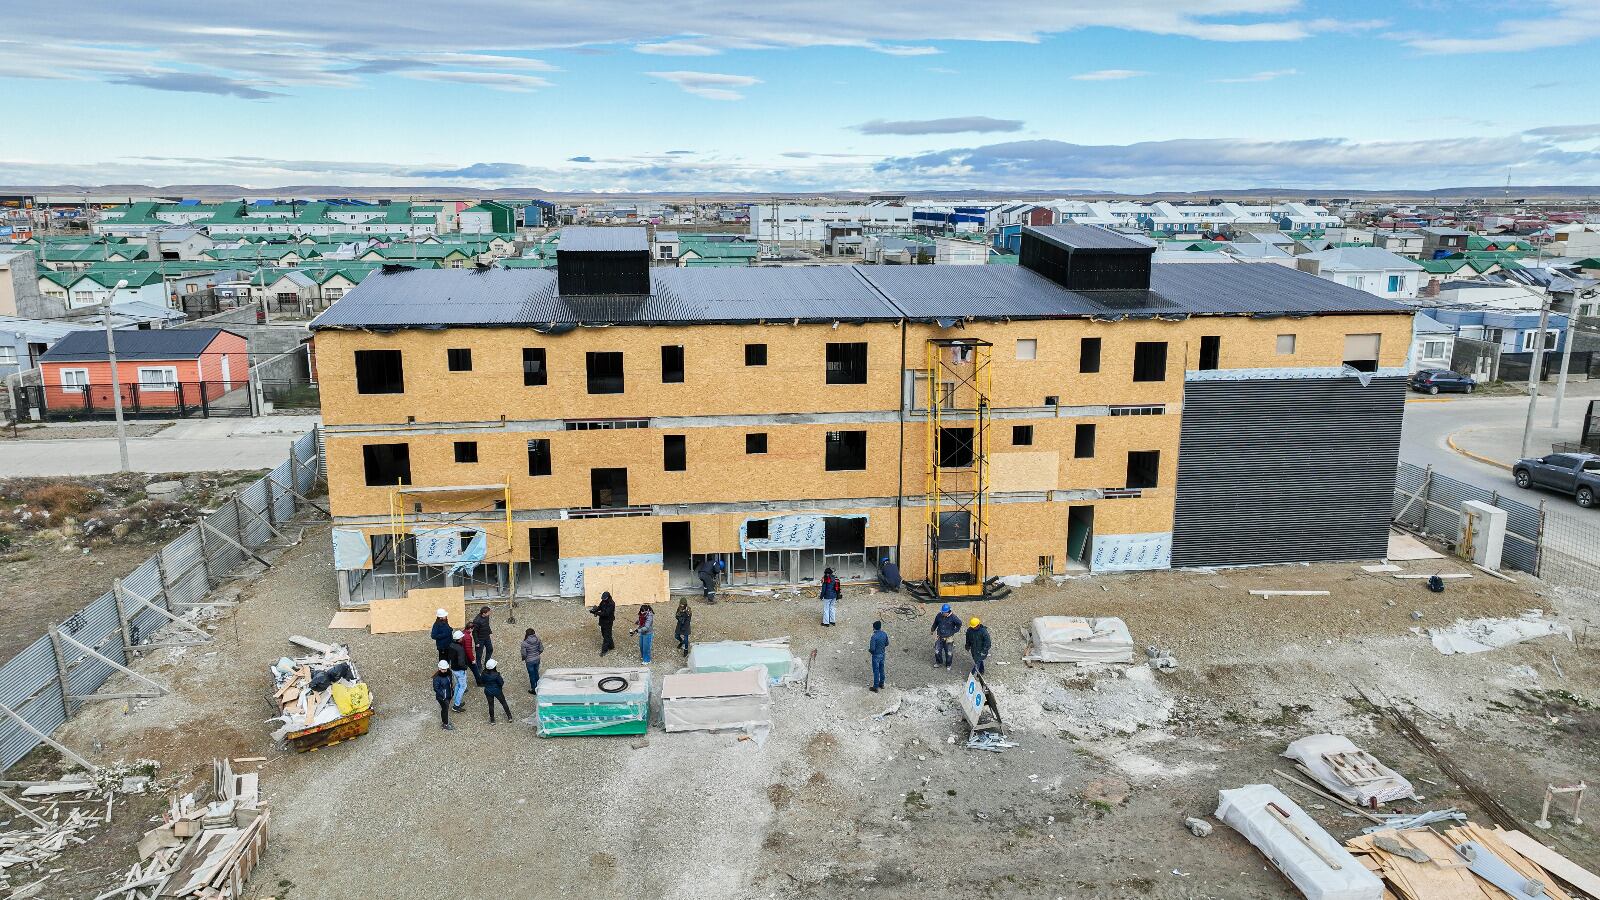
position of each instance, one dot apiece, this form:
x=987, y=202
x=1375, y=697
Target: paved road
x=197, y=445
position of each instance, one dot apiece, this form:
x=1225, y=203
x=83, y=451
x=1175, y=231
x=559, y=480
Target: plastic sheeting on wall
x=477, y=548
x=805, y=531
x=437, y=546
x=351, y=549
x=1131, y=552
x=571, y=568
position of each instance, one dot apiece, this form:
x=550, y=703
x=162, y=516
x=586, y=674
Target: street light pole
x=1533, y=374
x=116, y=382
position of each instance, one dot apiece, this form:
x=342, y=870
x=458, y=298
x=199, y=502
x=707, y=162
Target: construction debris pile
x=205, y=852
x=1468, y=861
x=79, y=802
x=318, y=690
x=1346, y=770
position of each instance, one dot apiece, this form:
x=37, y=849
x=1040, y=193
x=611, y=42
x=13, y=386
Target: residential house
x=488, y=217
x=19, y=287
x=176, y=242
x=1369, y=269
x=1439, y=241
x=1432, y=343
x=94, y=287
x=23, y=341
x=170, y=369
x=1402, y=243
x=446, y=256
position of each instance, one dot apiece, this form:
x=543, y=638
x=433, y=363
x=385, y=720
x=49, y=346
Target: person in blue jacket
x=441, y=632
x=945, y=626
x=878, y=647
x=888, y=575
x=442, y=683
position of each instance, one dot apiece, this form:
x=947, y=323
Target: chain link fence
x=53, y=678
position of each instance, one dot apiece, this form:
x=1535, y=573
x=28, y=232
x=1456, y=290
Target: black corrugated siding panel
x=1273, y=471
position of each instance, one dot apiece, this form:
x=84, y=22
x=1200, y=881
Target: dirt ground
x=839, y=802
x=67, y=432
x=51, y=566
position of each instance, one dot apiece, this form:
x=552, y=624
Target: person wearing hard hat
x=978, y=643
x=441, y=692
x=945, y=626
x=494, y=688
x=441, y=631
x=457, y=658
x=888, y=575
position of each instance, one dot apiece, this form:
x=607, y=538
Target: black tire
x=1470, y=387
x=1523, y=479
x=1584, y=497
x=1433, y=389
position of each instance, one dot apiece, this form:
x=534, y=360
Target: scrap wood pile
x=317, y=689
x=61, y=812
x=1468, y=862
x=199, y=851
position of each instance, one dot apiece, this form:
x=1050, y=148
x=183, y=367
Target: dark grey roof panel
x=1087, y=237
x=153, y=344
x=618, y=239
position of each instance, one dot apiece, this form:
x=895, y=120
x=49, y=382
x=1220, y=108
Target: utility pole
x=116, y=382
x=1533, y=374
x=1566, y=360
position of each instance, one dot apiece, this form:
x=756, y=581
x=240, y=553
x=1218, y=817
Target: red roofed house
x=166, y=370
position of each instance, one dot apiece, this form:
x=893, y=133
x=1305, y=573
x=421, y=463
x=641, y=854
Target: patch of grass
x=1288, y=715
x=915, y=801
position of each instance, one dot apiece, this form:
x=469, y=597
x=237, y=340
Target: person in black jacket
x=606, y=612
x=685, y=617
x=442, y=683
x=441, y=631
x=482, y=636
x=456, y=659
x=978, y=643
x=494, y=688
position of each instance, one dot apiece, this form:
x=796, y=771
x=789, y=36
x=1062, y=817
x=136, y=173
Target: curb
x=1450, y=441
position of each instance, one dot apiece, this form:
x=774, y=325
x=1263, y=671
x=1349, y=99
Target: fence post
x=205, y=402
x=161, y=573
x=1538, y=556
x=205, y=555
x=122, y=617
x=61, y=673
x=1427, y=490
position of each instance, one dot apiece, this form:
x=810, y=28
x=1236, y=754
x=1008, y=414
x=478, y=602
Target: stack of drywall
x=736, y=656
x=711, y=701
x=1078, y=640
x=594, y=701
x=1308, y=856
x=1347, y=770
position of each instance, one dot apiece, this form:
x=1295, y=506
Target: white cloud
x=1109, y=75
x=710, y=85
x=676, y=48
x=893, y=50
x=500, y=81
x=1273, y=75
x=1569, y=22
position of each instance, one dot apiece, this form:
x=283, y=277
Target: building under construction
x=1086, y=411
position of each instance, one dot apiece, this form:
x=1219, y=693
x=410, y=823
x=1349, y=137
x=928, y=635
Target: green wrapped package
x=736, y=656
x=597, y=701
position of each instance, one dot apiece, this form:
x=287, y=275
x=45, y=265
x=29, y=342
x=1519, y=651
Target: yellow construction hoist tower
x=959, y=385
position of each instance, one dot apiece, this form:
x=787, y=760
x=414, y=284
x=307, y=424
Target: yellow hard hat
x=975, y=622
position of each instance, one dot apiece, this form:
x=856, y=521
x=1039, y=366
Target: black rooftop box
x=603, y=261
x=1086, y=258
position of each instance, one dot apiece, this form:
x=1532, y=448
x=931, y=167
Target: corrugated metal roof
x=490, y=297
x=1087, y=237
x=164, y=343
x=593, y=239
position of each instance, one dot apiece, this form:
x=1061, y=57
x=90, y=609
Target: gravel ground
x=838, y=801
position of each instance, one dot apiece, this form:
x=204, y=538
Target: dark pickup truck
x=1577, y=474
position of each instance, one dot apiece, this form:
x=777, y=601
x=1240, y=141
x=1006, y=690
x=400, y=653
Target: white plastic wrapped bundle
x=1079, y=640
x=713, y=701
x=1327, y=872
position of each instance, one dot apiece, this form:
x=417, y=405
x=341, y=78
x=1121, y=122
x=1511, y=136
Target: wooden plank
x=1552, y=862
x=1277, y=593
x=629, y=585
x=352, y=619
x=415, y=611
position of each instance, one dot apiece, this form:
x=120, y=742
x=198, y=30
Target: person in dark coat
x=532, y=651
x=494, y=688
x=681, y=630
x=878, y=647
x=456, y=657
x=888, y=575
x=442, y=683
x=708, y=570
x=830, y=593
x=978, y=643
x=945, y=626
x=606, y=612
x=482, y=637
x=441, y=631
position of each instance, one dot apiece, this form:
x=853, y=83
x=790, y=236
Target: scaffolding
x=959, y=385
x=467, y=510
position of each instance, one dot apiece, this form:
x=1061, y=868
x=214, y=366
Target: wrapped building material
x=1076, y=639
x=736, y=656
x=1347, y=770
x=1316, y=864
x=594, y=701
x=713, y=701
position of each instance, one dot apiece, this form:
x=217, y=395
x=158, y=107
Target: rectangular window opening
x=1210, y=352
x=387, y=464
x=533, y=367
x=757, y=529
x=459, y=359
x=847, y=363
x=1089, y=355
x=1361, y=351
x=755, y=443
x=755, y=354
x=1144, y=468
x=674, y=453
x=608, y=488
x=379, y=372
x=466, y=451
x=1285, y=345
x=1083, y=441
x=846, y=451
x=1027, y=348
x=956, y=448
x=1022, y=435
x=672, y=364
x=1150, y=361
x=539, y=457
x=605, y=371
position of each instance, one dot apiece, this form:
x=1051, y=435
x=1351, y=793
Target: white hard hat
x=492, y=664
x=441, y=613
x=443, y=665
x=456, y=634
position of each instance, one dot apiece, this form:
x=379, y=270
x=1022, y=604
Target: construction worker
x=888, y=575
x=708, y=570
x=606, y=612
x=978, y=643
x=441, y=692
x=441, y=631
x=878, y=648
x=494, y=688
x=945, y=626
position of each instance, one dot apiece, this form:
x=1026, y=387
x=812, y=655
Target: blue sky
x=1125, y=95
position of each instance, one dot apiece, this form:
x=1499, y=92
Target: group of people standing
x=605, y=612
x=471, y=649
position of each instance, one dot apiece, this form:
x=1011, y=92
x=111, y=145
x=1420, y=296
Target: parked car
x=1432, y=381
x=1577, y=474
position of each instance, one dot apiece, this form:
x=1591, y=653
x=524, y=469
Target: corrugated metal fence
x=1430, y=503
x=53, y=678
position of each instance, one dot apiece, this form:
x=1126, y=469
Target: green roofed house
x=444, y=255
x=489, y=217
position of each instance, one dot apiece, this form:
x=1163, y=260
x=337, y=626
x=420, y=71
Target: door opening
x=675, y=554
x=1080, y=537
